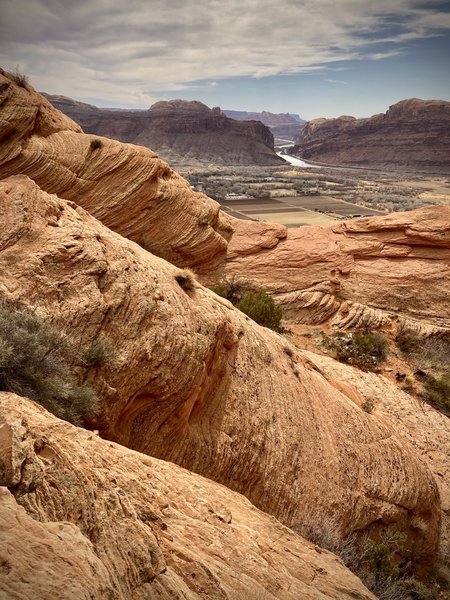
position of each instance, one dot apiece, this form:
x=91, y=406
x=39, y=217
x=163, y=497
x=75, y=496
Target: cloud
x=339, y=81
x=136, y=50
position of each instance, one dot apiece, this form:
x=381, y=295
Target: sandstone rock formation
x=412, y=134
x=197, y=383
x=364, y=272
x=182, y=132
x=425, y=428
x=81, y=517
x=282, y=125
x=127, y=187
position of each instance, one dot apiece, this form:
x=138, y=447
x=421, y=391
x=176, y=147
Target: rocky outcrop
x=425, y=428
x=412, y=134
x=127, y=187
x=360, y=273
x=282, y=125
x=182, y=132
x=81, y=517
x=196, y=382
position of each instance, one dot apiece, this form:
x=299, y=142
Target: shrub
x=437, y=392
x=186, y=280
x=261, y=307
x=96, y=144
x=19, y=78
x=99, y=353
x=254, y=302
x=34, y=362
x=365, y=350
x=408, y=341
x=368, y=406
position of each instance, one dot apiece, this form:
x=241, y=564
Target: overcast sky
x=311, y=57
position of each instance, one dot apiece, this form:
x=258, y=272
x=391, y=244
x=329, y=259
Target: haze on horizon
x=317, y=58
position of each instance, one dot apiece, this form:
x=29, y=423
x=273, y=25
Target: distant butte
x=412, y=133
x=181, y=132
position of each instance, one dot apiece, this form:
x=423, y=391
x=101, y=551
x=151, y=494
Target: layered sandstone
x=197, y=383
x=412, y=133
x=361, y=273
x=127, y=187
x=424, y=427
x=182, y=132
x=81, y=517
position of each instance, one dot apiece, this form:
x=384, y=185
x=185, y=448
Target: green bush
x=35, y=362
x=437, y=392
x=99, y=353
x=408, y=341
x=254, y=302
x=261, y=307
x=365, y=350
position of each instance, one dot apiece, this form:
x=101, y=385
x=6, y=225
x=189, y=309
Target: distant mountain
x=412, y=133
x=282, y=125
x=181, y=132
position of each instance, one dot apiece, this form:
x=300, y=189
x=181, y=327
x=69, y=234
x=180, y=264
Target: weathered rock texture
x=84, y=518
x=412, y=133
x=282, y=125
x=182, y=132
x=195, y=382
x=358, y=273
x=127, y=187
x=425, y=428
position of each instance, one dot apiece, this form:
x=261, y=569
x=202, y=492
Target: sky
x=316, y=58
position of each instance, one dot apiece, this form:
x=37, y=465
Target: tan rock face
x=90, y=519
x=412, y=133
x=364, y=272
x=127, y=187
x=195, y=382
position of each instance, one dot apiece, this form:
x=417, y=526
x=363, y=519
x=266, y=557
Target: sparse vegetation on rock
x=20, y=78
x=36, y=360
x=96, y=144
x=253, y=301
x=186, y=280
x=365, y=350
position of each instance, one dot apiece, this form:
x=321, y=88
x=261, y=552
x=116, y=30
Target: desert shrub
x=99, y=353
x=251, y=300
x=365, y=350
x=437, y=392
x=96, y=144
x=186, y=280
x=19, y=78
x=35, y=362
x=261, y=307
x=368, y=406
x=408, y=341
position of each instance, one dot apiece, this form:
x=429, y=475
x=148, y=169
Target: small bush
x=96, y=144
x=99, y=353
x=365, y=350
x=408, y=341
x=437, y=392
x=368, y=406
x=186, y=280
x=261, y=307
x=19, y=78
x=35, y=362
x=254, y=302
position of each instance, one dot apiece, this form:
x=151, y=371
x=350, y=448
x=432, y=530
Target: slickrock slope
x=182, y=132
x=357, y=273
x=425, y=428
x=84, y=518
x=412, y=133
x=127, y=187
x=195, y=382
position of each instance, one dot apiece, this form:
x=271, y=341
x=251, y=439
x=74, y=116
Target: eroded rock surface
x=129, y=188
x=412, y=133
x=81, y=517
x=195, y=382
x=359, y=273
